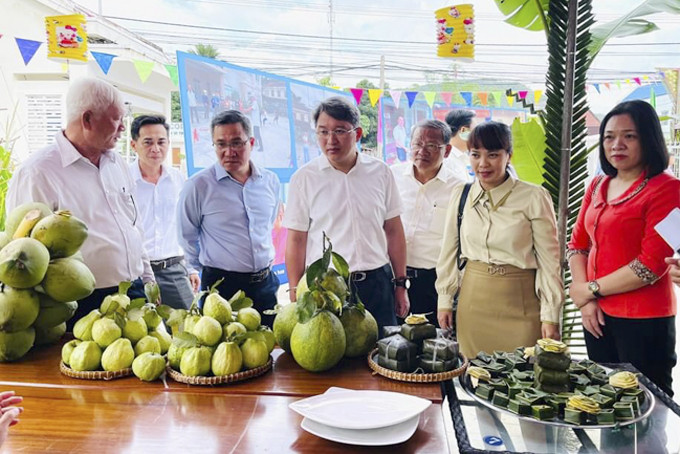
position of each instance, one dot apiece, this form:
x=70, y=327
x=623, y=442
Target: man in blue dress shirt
x=226, y=214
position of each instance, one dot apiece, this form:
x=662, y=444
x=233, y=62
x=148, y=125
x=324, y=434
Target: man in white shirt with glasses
x=353, y=198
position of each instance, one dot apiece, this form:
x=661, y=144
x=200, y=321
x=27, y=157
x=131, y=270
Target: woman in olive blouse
x=511, y=288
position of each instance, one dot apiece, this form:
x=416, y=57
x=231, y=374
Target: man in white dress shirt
x=353, y=198
x=460, y=122
x=158, y=188
x=425, y=185
x=81, y=172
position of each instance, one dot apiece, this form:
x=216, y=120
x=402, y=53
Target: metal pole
x=567, y=113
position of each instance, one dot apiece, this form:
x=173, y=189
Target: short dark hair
x=440, y=126
x=456, y=119
x=230, y=117
x=146, y=120
x=491, y=135
x=648, y=128
x=339, y=108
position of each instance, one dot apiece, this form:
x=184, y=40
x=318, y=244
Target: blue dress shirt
x=228, y=225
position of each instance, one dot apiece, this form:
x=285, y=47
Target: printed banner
x=66, y=37
x=456, y=32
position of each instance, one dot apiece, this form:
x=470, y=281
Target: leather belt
x=159, y=265
x=257, y=276
x=359, y=276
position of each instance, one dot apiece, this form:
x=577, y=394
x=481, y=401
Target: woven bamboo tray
x=220, y=380
x=414, y=377
x=94, y=374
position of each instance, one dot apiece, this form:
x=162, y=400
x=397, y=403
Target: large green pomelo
x=332, y=281
x=47, y=336
x=318, y=344
x=361, y=331
x=285, y=321
x=53, y=313
x=119, y=355
x=68, y=280
x=15, y=345
x=19, y=308
x=23, y=263
x=61, y=232
x=17, y=215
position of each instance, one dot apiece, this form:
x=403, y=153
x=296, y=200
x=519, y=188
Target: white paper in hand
x=669, y=229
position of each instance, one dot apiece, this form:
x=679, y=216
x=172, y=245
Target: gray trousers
x=175, y=286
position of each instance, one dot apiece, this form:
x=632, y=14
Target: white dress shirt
x=102, y=197
x=424, y=213
x=157, y=208
x=350, y=207
x=459, y=163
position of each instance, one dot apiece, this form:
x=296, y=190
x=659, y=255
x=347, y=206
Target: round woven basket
x=94, y=374
x=416, y=377
x=222, y=379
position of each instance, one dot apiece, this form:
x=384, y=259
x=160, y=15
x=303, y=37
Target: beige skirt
x=497, y=309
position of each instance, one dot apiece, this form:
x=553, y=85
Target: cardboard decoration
x=455, y=32
x=66, y=37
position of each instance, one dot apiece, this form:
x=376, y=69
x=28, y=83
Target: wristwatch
x=402, y=281
x=594, y=288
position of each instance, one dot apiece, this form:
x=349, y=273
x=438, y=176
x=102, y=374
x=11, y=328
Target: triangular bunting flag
x=467, y=96
x=143, y=68
x=522, y=94
x=618, y=84
x=628, y=82
x=336, y=87
x=374, y=95
x=483, y=97
x=511, y=100
x=606, y=84
x=652, y=97
x=429, y=97
x=497, y=97
x=645, y=77
x=537, y=96
x=597, y=87
x=446, y=96
x=396, y=97
x=637, y=80
x=27, y=47
x=357, y=93
x=411, y=96
x=172, y=72
x=103, y=60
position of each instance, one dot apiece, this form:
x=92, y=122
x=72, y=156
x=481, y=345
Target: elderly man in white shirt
x=158, y=188
x=81, y=172
x=425, y=185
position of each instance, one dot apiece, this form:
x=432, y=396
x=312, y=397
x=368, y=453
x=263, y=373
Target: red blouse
x=621, y=232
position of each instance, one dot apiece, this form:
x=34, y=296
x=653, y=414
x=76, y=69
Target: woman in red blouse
x=620, y=279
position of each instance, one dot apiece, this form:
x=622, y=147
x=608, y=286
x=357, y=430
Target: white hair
x=90, y=94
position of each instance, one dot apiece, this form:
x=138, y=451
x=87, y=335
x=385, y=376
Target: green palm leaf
x=527, y=14
x=528, y=142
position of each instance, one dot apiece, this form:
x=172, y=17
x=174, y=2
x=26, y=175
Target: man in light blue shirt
x=226, y=214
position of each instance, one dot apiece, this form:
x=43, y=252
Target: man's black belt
x=257, y=276
x=358, y=276
x=159, y=265
x=413, y=273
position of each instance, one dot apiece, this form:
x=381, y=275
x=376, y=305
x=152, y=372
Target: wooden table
x=128, y=415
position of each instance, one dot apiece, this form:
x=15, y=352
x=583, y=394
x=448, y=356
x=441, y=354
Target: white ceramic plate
x=350, y=409
x=383, y=436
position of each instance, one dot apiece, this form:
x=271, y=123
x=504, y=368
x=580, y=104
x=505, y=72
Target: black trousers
x=262, y=292
x=88, y=304
x=422, y=294
x=376, y=291
x=648, y=344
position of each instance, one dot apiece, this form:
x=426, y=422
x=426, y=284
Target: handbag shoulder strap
x=461, y=206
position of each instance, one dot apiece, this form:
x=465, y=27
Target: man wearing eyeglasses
x=425, y=185
x=81, y=172
x=158, y=186
x=353, y=198
x=226, y=215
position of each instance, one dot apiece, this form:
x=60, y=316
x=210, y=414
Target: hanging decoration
x=429, y=97
x=357, y=93
x=66, y=37
x=446, y=96
x=411, y=96
x=143, y=68
x=172, y=72
x=396, y=97
x=27, y=48
x=374, y=95
x=456, y=32
x=103, y=60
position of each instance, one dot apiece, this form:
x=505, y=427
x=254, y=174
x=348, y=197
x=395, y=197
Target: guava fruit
x=175, y=355
x=86, y=356
x=147, y=344
x=53, y=313
x=19, y=308
x=269, y=338
x=255, y=353
x=23, y=263
x=249, y=317
x=218, y=308
x=15, y=217
x=332, y=281
x=135, y=330
x=164, y=338
x=148, y=366
x=227, y=359
x=46, y=336
x=151, y=318
x=233, y=329
x=196, y=361
x=318, y=344
x=67, y=349
x=117, y=302
x=67, y=280
x=361, y=331
x=83, y=328
x=61, y=232
x=105, y=331
x=15, y=345
x=208, y=331
x=118, y=355
x=4, y=239
x=285, y=321
x=189, y=322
